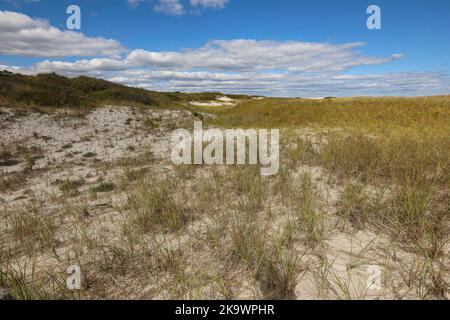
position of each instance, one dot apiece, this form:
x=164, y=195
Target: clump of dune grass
x=272, y=264
x=12, y=182
x=184, y=172
x=151, y=124
x=311, y=218
x=114, y=259
x=250, y=188
x=25, y=282
x=248, y=241
x=353, y=206
x=135, y=174
x=144, y=159
x=130, y=176
x=415, y=215
x=32, y=228
x=164, y=256
x=155, y=206
x=296, y=151
x=102, y=188
x=210, y=196
x=7, y=159
x=279, y=272
x=284, y=184
x=423, y=277
x=78, y=210
x=69, y=188
x=5, y=155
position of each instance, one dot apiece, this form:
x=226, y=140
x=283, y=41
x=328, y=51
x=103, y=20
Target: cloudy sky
x=266, y=47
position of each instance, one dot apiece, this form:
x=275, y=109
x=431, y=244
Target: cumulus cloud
x=236, y=56
x=21, y=35
x=209, y=3
x=251, y=55
x=80, y=67
x=260, y=83
x=289, y=85
x=171, y=7
x=177, y=7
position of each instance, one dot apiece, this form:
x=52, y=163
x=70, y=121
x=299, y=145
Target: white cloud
x=21, y=35
x=171, y=7
x=293, y=85
x=81, y=66
x=134, y=3
x=237, y=56
x=177, y=8
x=209, y=3
x=397, y=55
x=261, y=83
x=252, y=55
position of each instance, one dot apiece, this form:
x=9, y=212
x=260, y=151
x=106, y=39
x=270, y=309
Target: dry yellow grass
x=427, y=114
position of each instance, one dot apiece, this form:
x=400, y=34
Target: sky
x=287, y=48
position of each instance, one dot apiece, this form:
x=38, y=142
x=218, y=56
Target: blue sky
x=270, y=47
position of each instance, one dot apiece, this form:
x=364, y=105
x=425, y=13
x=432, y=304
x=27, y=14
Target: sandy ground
x=92, y=148
x=219, y=102
x=71, y=146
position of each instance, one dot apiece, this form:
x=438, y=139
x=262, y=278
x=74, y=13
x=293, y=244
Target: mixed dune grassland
x=87, y=180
